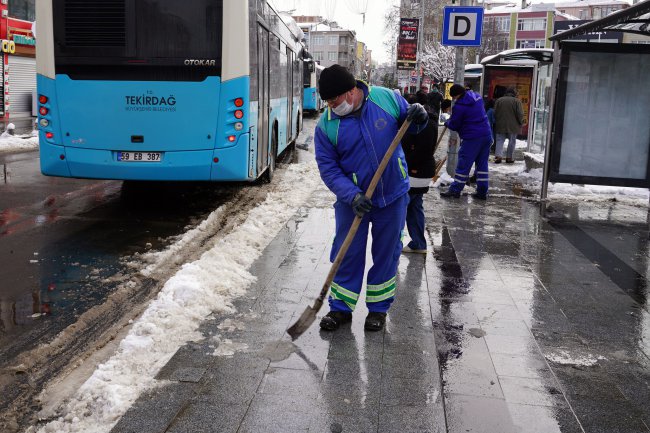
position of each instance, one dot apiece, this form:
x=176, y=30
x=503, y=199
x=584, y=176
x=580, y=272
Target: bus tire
x=299, y=125
x=270, y=170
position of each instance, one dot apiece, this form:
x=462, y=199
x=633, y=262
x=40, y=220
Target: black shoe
x=510, y=161
x=375, y=321
x=479, y=196
x=450, y=193
x=498, y=160
x=334, y=319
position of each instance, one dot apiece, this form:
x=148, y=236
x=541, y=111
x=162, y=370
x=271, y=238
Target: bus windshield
x=177, y=42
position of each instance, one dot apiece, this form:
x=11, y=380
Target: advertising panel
x=497, y=78
x=600, y=121
x=407, y=44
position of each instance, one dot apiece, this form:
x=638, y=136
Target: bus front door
x=263, y=98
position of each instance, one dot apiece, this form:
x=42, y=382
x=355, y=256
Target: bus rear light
x=43, y=99
x=239, y=126
x=62, y=157
x=49, y=135
x=239, y=114
x=43, y=111
x=239, y=102
x=216, y=159
x=44, y=123
x=232, y=138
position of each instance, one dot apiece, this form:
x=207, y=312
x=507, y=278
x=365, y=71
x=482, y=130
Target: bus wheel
x=289, y=156
x=270, y=170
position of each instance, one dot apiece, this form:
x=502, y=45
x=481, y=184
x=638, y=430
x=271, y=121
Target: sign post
x=462, y=27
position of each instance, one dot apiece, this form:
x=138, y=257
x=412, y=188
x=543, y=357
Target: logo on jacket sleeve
x=380, y=124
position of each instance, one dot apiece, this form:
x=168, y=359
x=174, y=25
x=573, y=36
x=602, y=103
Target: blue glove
x=417, y=114
x=361, y=205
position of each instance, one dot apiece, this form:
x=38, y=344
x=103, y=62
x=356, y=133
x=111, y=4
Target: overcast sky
x=341, y=11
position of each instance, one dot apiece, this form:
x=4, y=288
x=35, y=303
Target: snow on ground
x=563, y=357
x=19, y=142
x=208, y=285
x=521, y=144
x=532, y=181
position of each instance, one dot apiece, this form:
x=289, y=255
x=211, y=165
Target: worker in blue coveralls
x=469, y=119
x=352, y=137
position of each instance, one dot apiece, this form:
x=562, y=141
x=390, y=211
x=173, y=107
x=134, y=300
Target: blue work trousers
x=473, y=151
x=387, y=226
x=415, y=222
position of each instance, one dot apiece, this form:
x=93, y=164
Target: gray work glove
x=417, y=114
x=361, y=205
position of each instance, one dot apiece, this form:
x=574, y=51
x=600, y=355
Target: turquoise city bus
x=311, y=99
x=201, y=90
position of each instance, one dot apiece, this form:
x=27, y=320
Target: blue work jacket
x=349, y=149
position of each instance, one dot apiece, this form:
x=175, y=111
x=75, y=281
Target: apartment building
x=330, y=44
x=512, y=26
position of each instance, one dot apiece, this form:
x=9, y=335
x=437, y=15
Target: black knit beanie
x=335, y=81
x=456, y=90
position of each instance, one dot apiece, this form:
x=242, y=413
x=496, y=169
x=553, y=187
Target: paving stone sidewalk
x=511, y=324
x=347, y=381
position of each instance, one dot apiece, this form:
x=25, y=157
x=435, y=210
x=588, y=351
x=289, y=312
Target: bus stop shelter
x=529, y=71
x=599, y=132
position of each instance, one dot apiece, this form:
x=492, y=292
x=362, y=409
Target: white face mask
x=344, y=108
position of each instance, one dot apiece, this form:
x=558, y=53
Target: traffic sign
x=462, y=26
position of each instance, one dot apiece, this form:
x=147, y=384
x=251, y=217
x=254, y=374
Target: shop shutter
x=22, y=82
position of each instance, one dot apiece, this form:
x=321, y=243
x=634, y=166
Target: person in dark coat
x=421, y=165
x=469, y=119
x=435, y=99
x=509, y=118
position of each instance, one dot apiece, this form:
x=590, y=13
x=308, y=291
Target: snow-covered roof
x=315, y=27
x=567, y=16
x=582, y=3
x=520, y=55
x=516, y=7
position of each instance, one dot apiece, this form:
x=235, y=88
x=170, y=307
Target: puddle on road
x=277, y=351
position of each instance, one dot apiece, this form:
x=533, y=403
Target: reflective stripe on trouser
x=387, y=225
x=473, y=151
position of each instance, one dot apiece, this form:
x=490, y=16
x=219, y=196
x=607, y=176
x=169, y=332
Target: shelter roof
x=635, y=19
x=537, y=54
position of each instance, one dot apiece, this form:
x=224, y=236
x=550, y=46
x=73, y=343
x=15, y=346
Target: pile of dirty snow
x=207, y=285
x=18, y=142
x=532, y=181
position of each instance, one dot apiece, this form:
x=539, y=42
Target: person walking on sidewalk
x=435, y=99
x=351, y=139
x=509, y=118
x=419, y=151
x=469, y=119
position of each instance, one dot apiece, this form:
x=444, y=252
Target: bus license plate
x=139, y=156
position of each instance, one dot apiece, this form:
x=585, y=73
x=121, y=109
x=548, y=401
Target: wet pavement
x=62, y=241
x=512, y=323
x=66, y=247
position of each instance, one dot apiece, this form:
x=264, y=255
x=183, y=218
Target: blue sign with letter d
x=462, y=26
